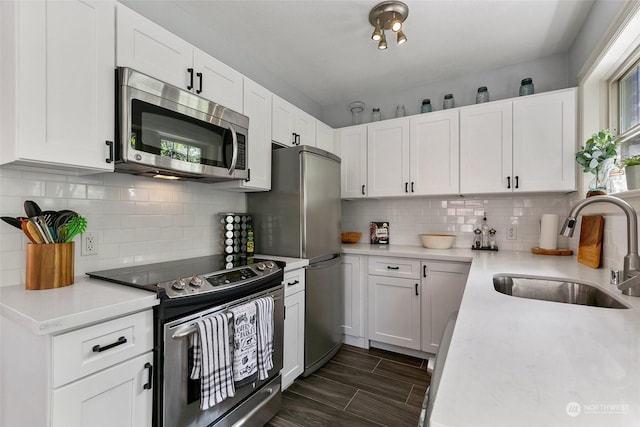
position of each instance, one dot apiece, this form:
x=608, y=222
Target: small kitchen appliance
x=188, y=290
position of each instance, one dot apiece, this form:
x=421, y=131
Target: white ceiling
x=323, y=47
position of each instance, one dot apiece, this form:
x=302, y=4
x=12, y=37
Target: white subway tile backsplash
x=137, y=220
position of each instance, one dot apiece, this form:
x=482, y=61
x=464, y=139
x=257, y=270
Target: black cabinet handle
x=148, y=366
x=294, y=139
x=295, y=282
x=424, y=271
x=110, y=145
x=517, y=183
x=200, y=80
x=406, y=187
x=190, y=85
x=417, y=289
x=412, y=186
x=363, y=189
x=98, y=348
x=297, y=139
x=508, y=182
x=393, y=268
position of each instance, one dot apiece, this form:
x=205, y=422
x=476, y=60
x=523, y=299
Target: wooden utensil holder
x=49, y=265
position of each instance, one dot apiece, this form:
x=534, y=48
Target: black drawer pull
x=363, y=189
x=417, y=289
x=412, y=186
x=148, y=366
x=98, y=348
x=406, y=187
x=295, y=282
x=508, y=182
x=517, y=184
x=424, y=271
x=393, y=268
x=110, y=158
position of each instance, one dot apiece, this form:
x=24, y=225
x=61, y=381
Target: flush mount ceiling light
x=388, y=15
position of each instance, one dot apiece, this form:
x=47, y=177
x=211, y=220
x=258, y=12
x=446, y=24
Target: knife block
x=49, y=265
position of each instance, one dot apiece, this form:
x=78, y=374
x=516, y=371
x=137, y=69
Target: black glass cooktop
x=149, y=275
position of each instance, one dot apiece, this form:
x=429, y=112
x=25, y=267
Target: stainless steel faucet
x=631, y=274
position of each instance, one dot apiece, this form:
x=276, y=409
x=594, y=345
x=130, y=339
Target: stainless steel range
x=189, y=290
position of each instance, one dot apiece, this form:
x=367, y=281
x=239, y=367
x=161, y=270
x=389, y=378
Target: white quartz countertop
x=522, y=362
x=87, y=301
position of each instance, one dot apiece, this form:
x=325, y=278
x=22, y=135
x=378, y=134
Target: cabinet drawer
x=88, y=350
x=293, y=281
x=395, y=267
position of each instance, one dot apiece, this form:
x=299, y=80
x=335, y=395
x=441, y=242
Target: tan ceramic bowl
x=437, y=241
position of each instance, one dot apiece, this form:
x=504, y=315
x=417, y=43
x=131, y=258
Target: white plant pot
x=632, y=174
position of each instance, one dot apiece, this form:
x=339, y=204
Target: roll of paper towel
x=549, y=232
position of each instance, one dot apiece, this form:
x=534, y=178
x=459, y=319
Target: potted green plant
x=598, y=156
x=631, y=167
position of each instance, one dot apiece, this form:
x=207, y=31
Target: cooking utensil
x=23, y=226
x=42, y=223
x=50, y=217
x=72, y=228
x=32, y=231
x=15, y=222
x=61, y=219
x=32, y=209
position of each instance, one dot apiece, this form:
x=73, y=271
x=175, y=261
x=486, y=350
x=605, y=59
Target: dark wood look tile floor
x=357, y=387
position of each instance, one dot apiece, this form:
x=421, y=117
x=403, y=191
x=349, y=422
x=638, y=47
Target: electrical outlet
x=89, y=244
x=512, y=232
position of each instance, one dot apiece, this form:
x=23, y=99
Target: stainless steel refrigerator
x=300, y=217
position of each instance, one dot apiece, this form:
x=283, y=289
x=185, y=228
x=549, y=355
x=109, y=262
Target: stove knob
x=269, y=264
x=196, y=282
x=260, y=266
x=179, y=284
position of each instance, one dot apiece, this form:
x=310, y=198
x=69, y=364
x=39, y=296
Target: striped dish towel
x=265, y=336
x=212, y=362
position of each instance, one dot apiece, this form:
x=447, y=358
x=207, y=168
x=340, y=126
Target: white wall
x=137, y=220
x=549, y=73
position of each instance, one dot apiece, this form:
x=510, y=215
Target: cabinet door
x=394, y=311
x=353, y=168
x=293, y=356
x=305, y=127
x=485, y=148
x=113, y=397
x=325, y=137
x=354, y=277
x=282, y=125
x=544, y=142
x=147, y=47
x=434, y=153
x=257, y=106
x=64, y=103
x=388, y=158
x=442, y=288
x=220, y=83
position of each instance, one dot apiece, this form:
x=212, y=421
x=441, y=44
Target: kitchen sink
x=556, y=290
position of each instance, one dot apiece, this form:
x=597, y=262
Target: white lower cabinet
x=355, y=285
x=442, y=288
x=294, y=302
x=98, y=375
x=113, y=397
x=409, y=301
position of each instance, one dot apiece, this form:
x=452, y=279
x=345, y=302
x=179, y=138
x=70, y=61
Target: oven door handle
x=190, y=329
x=272, y=393
x=234, y=158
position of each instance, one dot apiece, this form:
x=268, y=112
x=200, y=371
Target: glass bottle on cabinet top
x=400, y=111
x=426, y=106
x=526, y=87
x=482, y=95
x=375, y=114
x=448, y=102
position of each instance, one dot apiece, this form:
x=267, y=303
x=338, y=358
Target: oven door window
x=169, y=134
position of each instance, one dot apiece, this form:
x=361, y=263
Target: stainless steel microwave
x=165, y=132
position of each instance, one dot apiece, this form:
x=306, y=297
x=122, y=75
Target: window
x=629, y=95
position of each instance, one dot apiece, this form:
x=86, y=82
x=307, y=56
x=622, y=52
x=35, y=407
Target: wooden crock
x=49, y=265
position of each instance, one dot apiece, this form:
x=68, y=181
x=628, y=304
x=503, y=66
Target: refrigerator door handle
x=323, y=264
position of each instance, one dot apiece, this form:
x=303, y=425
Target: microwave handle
x=234, y=159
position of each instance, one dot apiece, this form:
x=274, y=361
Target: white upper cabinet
x=57, y=100
x=434, y=153
x=147, y=47
x=526, y=144
x=290, y=125
x=485, y=148
x=544, y=142
x=387, y=158
x=325, y=137
x=353, y=168
x=257, y=106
